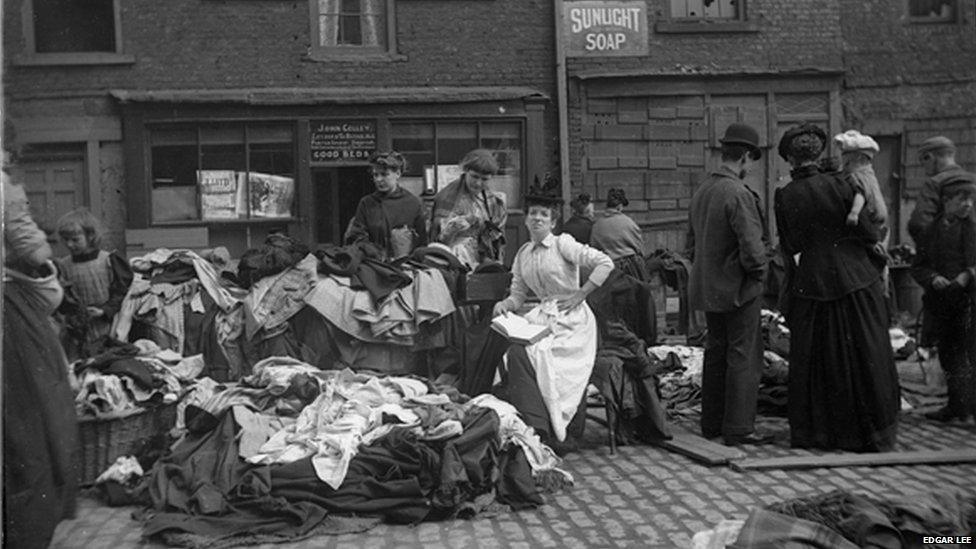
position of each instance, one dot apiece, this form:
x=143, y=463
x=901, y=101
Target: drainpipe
x=561, y=105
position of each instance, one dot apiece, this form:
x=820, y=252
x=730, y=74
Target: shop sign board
x=339, y=140
x=599, y=29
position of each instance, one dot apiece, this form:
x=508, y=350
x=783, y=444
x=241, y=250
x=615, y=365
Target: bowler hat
x=937, y=143
x=743, y=134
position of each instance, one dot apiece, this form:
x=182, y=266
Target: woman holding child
x=843, y=388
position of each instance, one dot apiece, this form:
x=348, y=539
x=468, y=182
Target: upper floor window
x=932, y=11
x=721, y=10
x=73, y=32
x=351, y=27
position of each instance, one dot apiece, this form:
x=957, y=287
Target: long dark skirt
x=843, y=388
x=40, y=475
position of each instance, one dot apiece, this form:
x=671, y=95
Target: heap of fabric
x=623, y=371
x=181, y=303
x=124, y=378
x=843, y=519
x=365, y=445
x=381, y=333
x=680, y=368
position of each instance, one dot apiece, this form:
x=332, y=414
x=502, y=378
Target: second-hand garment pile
x=332, y=308
x=288, y=446
x=681, y=368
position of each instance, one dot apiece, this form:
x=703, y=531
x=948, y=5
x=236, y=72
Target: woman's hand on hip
x=571, y=301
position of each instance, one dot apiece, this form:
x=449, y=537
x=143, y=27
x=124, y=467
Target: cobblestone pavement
x=641, y=497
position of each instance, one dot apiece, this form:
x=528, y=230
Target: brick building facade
x=229, y=88
x=127, y=124
x=650, y=123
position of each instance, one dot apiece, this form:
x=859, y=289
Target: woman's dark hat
x=743, y=134
x=547, y=193
x=806, y=128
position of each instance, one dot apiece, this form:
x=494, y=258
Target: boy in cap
x=938, y=156
x=946, y=267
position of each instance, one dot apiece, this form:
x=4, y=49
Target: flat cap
x=937, y=143
x=962, y=182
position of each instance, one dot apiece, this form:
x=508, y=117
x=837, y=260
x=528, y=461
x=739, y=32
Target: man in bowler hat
x=727, y=245
x=938, y=156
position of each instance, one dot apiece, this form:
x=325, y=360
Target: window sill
x=345, y=56
x=209, y=222
x=931, y=21
x=695, y=27
x=88, y=58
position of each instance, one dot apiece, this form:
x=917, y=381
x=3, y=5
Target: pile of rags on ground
x=302, y=395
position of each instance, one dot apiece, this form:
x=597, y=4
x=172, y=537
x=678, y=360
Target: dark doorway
x=337, y=192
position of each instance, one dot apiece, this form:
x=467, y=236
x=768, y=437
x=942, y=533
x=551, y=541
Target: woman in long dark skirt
x=843, y=387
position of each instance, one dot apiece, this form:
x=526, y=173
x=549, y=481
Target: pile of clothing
x=843, y=519
x=680, y=369
x=181, y=302
x=289, y=446
x=123, y=378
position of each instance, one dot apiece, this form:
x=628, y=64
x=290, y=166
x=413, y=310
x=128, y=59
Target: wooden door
x=748, y=109
x=54, y=186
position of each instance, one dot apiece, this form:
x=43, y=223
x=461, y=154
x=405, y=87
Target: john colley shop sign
x=333, y=140
x=597, y=29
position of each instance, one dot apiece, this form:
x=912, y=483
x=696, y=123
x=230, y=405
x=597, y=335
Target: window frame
x=929, y=20
x=31, y=56
x=513, y=203
x=197, y=127
x=677, y=25
x=318, y=52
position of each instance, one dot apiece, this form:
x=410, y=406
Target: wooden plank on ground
x=701, y=449
x=854, y=460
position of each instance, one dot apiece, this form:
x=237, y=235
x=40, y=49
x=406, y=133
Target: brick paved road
x=642, y=497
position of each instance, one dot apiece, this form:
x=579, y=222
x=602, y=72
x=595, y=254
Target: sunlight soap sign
x=598, y=29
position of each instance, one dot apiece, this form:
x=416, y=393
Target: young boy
x=946, y=267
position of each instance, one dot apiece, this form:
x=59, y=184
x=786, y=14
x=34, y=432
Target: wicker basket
x=102, y=440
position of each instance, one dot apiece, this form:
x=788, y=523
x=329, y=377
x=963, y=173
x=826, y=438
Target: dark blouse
x=579, y=227
x=811, y=216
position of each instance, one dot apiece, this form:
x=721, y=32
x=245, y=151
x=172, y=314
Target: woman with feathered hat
x=545, y=381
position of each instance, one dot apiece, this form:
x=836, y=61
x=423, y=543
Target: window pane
x=416, y=143
x=505, y=140
x=352, y=23
x=935, y=9
x=705, y=9
x=454, y=140
x=74, y=26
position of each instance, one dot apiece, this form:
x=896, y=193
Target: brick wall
x=264, y=43
x=790, y=35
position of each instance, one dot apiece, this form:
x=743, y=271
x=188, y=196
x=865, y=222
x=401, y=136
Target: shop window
x=222, y=172
x=932, y=11
x=351, y=27
x=73, y=32
x=434, y=149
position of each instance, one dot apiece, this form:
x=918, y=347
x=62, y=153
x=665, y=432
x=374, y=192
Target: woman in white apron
x=545, y=381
